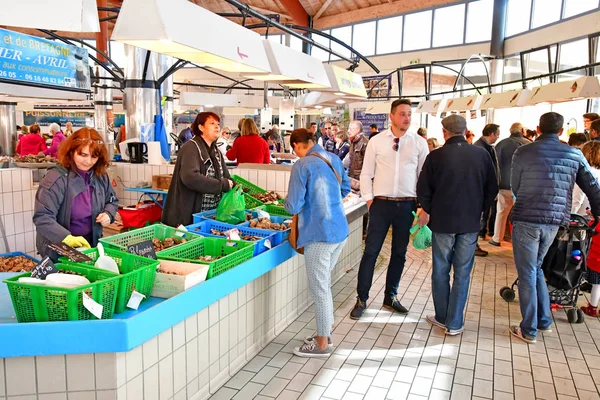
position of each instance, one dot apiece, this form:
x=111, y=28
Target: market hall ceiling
x=325, y=13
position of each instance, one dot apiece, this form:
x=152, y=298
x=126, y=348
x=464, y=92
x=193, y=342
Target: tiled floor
x=388, y=356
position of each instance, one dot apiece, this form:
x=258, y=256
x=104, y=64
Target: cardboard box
x=161, y=182
x=169, y=285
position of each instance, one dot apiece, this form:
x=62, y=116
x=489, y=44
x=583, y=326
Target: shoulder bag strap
x=339, y=179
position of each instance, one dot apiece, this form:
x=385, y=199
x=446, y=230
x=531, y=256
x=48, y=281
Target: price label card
x=263, y=214
x=69, y=252
x=43, y=269
x=233, y=234
x=135, y=300
x=268, y=243
x=92, y=306
x=144, y=249
x=182, y=230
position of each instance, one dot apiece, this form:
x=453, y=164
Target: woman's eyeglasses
x=395, y=146
x=86, y=140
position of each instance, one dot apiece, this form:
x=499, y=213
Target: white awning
x=429, y=106
x=181, y=29
x=292, y=68
x=69, y=15
x=462, y=103
x=582, y=88
x=344, y=82
x=512, y=98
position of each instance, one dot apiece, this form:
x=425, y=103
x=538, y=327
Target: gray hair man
x=504, y=151
x=358, y=148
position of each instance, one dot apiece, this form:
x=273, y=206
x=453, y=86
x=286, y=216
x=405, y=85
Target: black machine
x=564, y=267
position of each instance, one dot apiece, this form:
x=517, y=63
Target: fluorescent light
x=318, y=107
x=339, y=94
x=340, y=101
x=208, y=106
x=304, y=109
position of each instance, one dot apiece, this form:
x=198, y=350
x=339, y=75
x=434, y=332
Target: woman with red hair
x=75, y=200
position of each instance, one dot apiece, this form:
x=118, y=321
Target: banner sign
x=380, y=84
x=31, y=59
x=367, y=119
x=79, y=119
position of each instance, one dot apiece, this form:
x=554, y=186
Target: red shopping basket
x=140, y=214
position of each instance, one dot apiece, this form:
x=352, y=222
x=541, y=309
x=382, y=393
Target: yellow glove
x=76, y=241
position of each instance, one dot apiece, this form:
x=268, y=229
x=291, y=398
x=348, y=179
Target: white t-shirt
x=580, y=201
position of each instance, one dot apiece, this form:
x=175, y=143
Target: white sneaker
x=454, y=332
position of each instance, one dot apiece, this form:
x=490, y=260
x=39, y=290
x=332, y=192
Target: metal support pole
x=8, y=128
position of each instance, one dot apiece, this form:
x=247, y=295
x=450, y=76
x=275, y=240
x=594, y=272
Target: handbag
x=293, y=238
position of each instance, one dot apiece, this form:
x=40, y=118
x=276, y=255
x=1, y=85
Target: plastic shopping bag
x=421, y=235
x=231, y=208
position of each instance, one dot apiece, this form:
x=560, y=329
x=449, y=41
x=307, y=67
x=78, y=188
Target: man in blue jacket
x=542, y=179
x=457, y=183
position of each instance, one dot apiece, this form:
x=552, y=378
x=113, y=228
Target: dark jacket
x=542, y=179
x=481, y=142
x=457, y=183
x=358, y=148
x=190, y=182
x=342, y=151
x=52, y=212
x=505, y=150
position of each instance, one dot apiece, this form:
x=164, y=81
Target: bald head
x=516, y=128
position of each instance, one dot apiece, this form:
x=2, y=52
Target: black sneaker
x=479, y=252
x=394, y=303
x=358, y=310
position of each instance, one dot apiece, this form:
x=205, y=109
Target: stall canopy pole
x=102, y=36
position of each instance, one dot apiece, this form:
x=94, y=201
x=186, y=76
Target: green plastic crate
x=274, y=210
x=234, y=252
x=251, y=202
x=159, y=231
x=35, y=303
x=249, y=187
x=137, y=273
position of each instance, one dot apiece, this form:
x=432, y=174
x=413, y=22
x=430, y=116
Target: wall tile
x=223, y=337
x=192, y=359
x=53, y=396
x=213, y=343
x=165, y=344
x=179, y=375
x=191, y=328
x=121, y=365
x=19, y=224
x=135, y=388
x=27, y=200
x=202, y=317
x=2, y=381
x=26, y=179
x=87, y=395
x=192, y=389
x=151, y=390
x=52, y=374
x=203, y=352
x=2, y=189
x=223, y=307
x=28, y=221
x=150, y=352
x=17, y=183
x=17, y=202
x=80, y=372
x=8, y=220
x=106, y=370
x=7, y=181
x=20, y=375
x=165, y=376
x=134, y=363
x=105, y=395
x=178, y=335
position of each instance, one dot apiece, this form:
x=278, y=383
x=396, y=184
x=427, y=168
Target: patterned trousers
x=320, y=260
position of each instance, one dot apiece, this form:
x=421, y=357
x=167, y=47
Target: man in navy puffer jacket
x=542, y=179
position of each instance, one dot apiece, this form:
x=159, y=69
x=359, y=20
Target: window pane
x=295, y=43
x=389, y=35
x=574, y=7
x=517, y=16
x=345, y=35
x=479, y=21
x=89, y=49
x=363, y=38
x=573, y=54
x=546, y=12
x=449, y=25
x=417, y=31
x=318, y=53
x=117, y=53
x=275, y=38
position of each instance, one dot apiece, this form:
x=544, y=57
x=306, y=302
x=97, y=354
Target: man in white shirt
x=388, y=183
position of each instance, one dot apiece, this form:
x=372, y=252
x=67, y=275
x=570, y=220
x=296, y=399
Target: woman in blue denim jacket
x=315, y=194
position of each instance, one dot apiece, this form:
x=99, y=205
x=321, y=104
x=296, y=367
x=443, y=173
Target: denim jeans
x=382, y=214
x=530, y=245
x=457, y=251
x=488, y=221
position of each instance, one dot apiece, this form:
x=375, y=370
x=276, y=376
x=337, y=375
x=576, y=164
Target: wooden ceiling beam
x=322, y=10
x=296, y=11
x=379, y=11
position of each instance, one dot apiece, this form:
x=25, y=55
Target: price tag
x=43, y=269
x=68, y=251
x=233, y=234
x=92, y=306
x=181, y=231
x=267, y=243
x=144, y=249
x=135, y=300
x=263, y=214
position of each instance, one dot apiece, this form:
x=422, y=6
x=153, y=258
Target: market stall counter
x=183, y=347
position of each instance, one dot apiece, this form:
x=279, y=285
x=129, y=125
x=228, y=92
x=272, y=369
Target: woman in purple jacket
x=57, y=138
